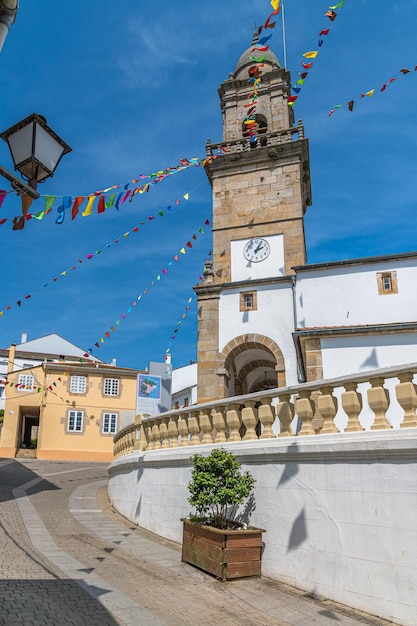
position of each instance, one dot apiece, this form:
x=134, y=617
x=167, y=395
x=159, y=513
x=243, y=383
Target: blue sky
x=132, y=87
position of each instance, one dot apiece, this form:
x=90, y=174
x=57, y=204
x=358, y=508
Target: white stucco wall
x=273, y=318
x=339, y=511
x=348, y=295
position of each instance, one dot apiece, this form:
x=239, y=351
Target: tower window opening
x=261, y=128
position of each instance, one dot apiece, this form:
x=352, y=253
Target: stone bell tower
x=260, y=194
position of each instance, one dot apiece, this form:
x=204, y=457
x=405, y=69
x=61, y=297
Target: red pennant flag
x=135, y=230
x=77, y=202
x=175, y=259
x=207, y=222
x=96, y=344
x=307, y=66
x=324, y=32
x=3, y=221
x=107, y=334
x=189, y=244
x=101, y=207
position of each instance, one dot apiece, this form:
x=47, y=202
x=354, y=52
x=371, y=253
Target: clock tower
x=261, y=190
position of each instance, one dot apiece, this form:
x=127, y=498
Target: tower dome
x=245, y=63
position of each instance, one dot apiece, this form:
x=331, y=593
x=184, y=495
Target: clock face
x=256, y=250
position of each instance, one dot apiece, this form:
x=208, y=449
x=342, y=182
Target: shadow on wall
x=371, y=361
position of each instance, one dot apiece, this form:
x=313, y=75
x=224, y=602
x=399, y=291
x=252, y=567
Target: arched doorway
x=253, y=363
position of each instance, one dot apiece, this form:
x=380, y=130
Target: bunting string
x=106, y=198
x=90, y=255
x=311, y=55
x=184, y=315
x=153, y=283
x=180, y=321
x=350, y=105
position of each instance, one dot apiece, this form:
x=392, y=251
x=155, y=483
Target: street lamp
x=8, y=12
x=36, y=151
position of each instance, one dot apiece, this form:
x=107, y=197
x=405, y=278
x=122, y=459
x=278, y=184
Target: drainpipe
x=8, y=12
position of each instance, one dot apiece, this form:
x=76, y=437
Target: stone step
x=25, y=453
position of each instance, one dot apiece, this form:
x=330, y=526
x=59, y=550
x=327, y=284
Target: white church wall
x=348, y=295
x=277, y=324
x=358, y=353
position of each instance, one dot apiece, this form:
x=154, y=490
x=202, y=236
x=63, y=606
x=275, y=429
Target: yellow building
x=67, y=410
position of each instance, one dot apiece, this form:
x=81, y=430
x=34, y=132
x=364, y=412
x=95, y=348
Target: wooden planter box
x=227, y=554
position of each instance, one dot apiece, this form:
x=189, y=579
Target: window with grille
x=75, y=421
x=111, y=386
x=109, y=423
x=78, y=384
x=25, y=382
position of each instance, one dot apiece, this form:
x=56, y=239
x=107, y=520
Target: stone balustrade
x=316, y=408
x=271, y=139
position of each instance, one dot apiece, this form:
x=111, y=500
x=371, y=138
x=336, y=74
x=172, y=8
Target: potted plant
x=213, y=539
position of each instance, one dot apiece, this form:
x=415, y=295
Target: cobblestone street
x=67, y=558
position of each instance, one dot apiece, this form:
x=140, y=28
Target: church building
x=265, y=317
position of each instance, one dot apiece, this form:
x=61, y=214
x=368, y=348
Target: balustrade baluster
x=285, y=412
x=250, y=420
x=194, y=428
x=352, y=406
x=219, y=425
x=267, y=418
x=233, y=422
x=305, y=408
x=406, y=392
x=156, y=436
x=163, y=431
x=173, y=431
x=183, y=429
x=378, y=400
x=327, y=407
x=205, y=427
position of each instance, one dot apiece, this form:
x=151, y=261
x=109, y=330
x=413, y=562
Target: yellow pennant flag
x=182, y=250
x=186, y=196
x=275, y=4
x=370, y=93
x=89, y=207
x=310, y=55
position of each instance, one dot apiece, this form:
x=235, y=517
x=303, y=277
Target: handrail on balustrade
x=196, y=424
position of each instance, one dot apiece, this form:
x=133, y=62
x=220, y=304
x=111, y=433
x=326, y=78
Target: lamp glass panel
x=47, y=150
x=20, y=144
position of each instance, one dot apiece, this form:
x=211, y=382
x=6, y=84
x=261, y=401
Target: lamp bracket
x=18, y=184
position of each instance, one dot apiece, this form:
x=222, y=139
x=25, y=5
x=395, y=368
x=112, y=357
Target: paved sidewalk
x=67, y=558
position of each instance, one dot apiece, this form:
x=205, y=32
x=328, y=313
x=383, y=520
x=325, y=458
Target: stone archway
x=252, y=363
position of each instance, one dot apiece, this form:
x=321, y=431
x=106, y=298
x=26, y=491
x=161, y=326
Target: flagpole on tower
x=284, y=39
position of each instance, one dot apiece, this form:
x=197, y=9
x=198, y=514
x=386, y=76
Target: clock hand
x=259, y=247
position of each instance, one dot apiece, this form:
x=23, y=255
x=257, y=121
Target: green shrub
x=218, y=484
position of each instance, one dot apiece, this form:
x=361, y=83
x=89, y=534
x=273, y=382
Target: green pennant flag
x=49, y=200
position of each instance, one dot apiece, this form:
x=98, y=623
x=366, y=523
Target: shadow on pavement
x=51, y=603
x=13, y=474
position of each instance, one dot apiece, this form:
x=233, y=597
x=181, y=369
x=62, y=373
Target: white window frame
x=109, y=423
x=27, y=380
x=76, y=385
x=77, y=417
x=111, y=386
